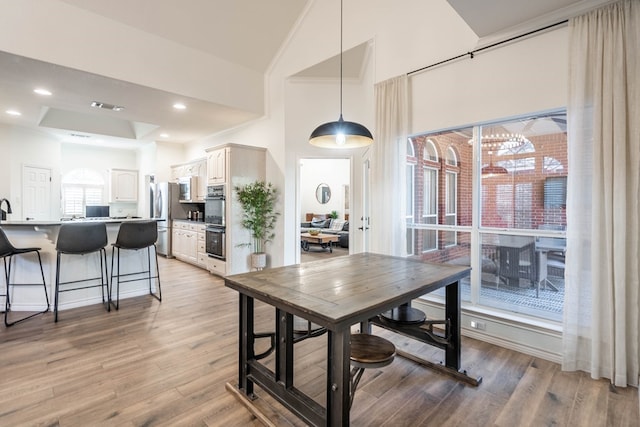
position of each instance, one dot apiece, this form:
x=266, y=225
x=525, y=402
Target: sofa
x=329, y=226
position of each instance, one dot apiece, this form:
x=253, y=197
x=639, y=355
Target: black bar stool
x=82, y=239
x=135, y=236
x=7, y=250
x=368, y=351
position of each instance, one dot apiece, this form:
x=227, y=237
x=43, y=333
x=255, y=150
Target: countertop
x=36, y=223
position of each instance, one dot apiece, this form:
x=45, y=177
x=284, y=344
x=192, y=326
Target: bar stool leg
x=117, y=278
x=7, y=272
x=155, y=251
x=55, y=304
x=104, y=276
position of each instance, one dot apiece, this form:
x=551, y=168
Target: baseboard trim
x=532, y=339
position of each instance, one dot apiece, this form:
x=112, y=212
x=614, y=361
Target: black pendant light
x=341, y=134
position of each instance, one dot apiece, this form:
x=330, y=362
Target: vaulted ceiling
x=248, y=33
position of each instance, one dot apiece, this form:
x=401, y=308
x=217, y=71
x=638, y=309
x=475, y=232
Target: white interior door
x=36, y=193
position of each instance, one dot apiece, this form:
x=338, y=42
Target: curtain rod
x=471, y=53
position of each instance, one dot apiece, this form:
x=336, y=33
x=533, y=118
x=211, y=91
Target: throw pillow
x=319, y=223
x=337, y=224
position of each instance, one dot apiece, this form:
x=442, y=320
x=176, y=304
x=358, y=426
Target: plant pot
x=258, y=260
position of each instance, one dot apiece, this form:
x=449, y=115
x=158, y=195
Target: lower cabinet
x=217, y=266
x=201, y=253
x=188, y=242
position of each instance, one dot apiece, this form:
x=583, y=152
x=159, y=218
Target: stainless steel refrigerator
x=164, y=208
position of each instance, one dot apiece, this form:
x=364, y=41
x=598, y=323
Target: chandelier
x=495, y=142
x=502, y=141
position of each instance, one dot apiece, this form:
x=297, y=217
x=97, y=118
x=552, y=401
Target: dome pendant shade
x=493, y=170
x=341, y=134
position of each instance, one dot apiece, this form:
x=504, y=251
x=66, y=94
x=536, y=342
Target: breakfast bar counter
x=43, y=234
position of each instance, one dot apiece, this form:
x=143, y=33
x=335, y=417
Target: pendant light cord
x=341, y=9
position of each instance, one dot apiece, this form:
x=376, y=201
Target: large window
x=520, y=182
x=430, y=208
x=81, y=188
x=410, y=168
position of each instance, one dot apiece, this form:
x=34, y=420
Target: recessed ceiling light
x=179, y=106
x=41, y=91
x=14, y=113
x=164, y=135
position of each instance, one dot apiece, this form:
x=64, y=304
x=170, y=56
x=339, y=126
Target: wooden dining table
x=335, y=294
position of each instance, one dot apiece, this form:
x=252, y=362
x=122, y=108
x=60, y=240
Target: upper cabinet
x=217, y=166
x=197, y=168
x=200, y=170
x=124, y=185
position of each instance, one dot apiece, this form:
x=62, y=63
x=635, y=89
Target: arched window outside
x=452, y=158
x=429, y=151
x=411, y=151
x=81, y=188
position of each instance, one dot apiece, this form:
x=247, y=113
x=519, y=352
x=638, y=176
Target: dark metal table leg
x=245, y=340
x=338, y=378
x=452, y=314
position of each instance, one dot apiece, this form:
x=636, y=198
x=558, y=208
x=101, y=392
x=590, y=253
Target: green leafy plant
x=333, y=215
x=258, y=201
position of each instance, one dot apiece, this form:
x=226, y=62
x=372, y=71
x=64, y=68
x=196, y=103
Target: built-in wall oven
x=214, y=218
x=215, y=242
x=214, y=206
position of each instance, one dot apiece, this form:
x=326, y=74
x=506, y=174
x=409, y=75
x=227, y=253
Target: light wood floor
x=166, y=364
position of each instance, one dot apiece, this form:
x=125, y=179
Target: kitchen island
x=43, y=234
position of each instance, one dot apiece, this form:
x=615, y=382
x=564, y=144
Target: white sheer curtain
x=601, y=326
x=387, y=175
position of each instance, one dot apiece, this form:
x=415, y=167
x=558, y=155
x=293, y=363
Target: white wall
x=333, y=172
x=102, y=160
x=524, y=77
x=19, y=147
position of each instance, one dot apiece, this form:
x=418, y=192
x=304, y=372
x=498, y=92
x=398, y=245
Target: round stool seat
x=371, y=351
x=405, y=315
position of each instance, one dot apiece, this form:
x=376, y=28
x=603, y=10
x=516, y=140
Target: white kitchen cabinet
x=188, y=240
x=177, y=243
x=196, y=168
x=234, y=165
x=217, y=266
x=124, y=185
x=202, y=246
x=217, y=166
x=176, y=173
x=200, y=170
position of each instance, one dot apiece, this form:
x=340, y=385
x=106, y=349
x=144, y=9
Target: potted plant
x=333, y=215
x=258, y=200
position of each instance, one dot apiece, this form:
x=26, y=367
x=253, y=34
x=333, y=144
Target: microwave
x=187, y=192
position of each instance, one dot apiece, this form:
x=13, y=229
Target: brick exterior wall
x=514, y=200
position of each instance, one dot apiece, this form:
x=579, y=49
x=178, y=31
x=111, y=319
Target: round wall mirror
x=323, y=193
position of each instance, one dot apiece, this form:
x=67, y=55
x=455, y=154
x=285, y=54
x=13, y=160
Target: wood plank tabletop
x=339, y=292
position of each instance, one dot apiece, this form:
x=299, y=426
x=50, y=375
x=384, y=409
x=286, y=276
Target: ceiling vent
x=79, y=135
x=106, y=106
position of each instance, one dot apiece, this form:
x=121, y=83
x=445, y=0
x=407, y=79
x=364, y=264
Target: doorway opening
x=324, y=205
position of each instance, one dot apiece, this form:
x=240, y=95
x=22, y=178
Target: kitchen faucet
x=4, y=214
